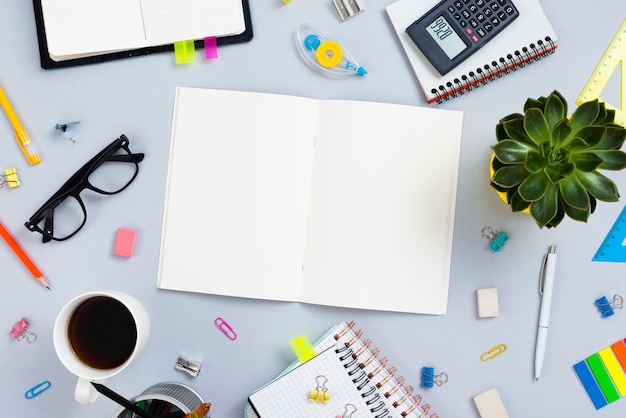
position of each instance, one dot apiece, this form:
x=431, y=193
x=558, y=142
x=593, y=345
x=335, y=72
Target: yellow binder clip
x=9, y=178
x=494, y=352
x=320, y=393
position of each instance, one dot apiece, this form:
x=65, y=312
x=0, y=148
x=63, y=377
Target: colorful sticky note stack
x=603, y=374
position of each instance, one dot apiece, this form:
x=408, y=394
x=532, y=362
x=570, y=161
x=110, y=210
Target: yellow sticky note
x=185, y=52
x=614, y=368
x=303, y=348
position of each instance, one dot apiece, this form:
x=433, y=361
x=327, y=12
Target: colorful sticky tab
x=125, y=242
x=185, y=52
x=603, y=374
x=590, y=385
x=303, y=348
x=210, y=47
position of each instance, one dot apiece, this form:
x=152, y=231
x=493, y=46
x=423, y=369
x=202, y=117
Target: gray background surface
x=135, y=97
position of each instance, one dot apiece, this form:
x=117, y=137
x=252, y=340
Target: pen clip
x=542, y=273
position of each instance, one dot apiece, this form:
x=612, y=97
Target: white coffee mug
x=97, y=335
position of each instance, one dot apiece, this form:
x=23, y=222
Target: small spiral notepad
x=350, y=374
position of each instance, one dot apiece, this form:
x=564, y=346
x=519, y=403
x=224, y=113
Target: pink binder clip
x=225, y=328
x=20, y=331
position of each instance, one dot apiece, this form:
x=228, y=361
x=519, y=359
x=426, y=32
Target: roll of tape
x=329, y=54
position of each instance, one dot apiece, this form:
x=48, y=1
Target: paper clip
x=63, y=127
x=189, y=366
x=20, y=331
x=493, y=352
x=348, y=8
x=429, y=378
x=347, y=413
x=497, y=239
x=320, y=393
x=9, y=178
x=606, y=306
x=37, y=389
x=225, y=328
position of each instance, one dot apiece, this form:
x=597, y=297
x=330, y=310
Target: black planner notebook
x=77, y=32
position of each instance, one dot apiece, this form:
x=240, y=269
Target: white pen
x=546, y=285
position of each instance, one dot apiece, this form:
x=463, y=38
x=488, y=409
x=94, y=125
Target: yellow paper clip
x=185, y=52
x=9, y=178
x=493, y=352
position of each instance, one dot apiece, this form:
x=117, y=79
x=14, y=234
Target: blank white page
x=89, y=27
x=237, y=195
x=383, y=195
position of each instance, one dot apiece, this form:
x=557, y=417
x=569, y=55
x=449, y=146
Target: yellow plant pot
x=501, y=194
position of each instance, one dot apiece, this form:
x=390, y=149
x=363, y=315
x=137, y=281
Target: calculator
x=455, y=29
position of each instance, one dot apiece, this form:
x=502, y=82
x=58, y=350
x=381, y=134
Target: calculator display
x=453, y=30
x=446, y=37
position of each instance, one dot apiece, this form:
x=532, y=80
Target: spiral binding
x=490, y=72
x=369, y=383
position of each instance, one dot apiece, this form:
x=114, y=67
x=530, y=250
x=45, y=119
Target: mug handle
x=85, y=393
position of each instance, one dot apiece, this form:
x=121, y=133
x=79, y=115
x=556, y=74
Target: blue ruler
x=613, y=247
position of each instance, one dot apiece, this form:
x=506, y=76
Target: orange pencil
x=19, y=252
x=200, y=412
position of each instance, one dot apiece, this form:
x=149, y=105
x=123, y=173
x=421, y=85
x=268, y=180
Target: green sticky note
x=303, y=348
x=185, y=52
x=602, y=377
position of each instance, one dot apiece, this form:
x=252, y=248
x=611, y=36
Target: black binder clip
x=429, y=378
x=497, y=239
x=606, y=306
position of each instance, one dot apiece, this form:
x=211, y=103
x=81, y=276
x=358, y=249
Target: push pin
x=9, y=178
x=320, y=393
x=429, y=378
x=497, y=239
x=606, y=306
x=189, y=366
x=20, y=331
x=63, y=127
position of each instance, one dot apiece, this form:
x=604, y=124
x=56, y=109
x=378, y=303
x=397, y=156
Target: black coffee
x=102, y=332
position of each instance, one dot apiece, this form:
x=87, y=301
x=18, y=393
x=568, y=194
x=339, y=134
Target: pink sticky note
x=210, y=47
x=125, y=242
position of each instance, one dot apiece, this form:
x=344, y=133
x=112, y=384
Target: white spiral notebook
x=352, y=378
x=528, y=38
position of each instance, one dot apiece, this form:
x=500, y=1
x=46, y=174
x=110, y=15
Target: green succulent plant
x=547, y=163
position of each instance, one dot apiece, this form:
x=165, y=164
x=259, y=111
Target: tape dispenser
x=325, y=55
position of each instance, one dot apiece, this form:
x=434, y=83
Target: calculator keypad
x=479, y=17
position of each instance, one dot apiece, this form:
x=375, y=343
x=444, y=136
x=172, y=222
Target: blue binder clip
x=607, y=307
x=497, y=239
x=429, y=378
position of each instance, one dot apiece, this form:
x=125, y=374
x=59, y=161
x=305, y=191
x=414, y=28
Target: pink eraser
x=125, y=242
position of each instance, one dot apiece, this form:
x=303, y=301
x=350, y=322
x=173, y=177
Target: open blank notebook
x=80, y=28
x=332, y=202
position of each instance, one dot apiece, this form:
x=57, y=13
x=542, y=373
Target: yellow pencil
x=20, y=133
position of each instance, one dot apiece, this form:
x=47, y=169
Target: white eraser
x=487, y=300
x=490, y=405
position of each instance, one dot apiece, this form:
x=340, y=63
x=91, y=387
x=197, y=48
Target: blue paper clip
x=429, y=378
x=497, y=239
x=606, y=307
x=37, y=389
x=225, y=328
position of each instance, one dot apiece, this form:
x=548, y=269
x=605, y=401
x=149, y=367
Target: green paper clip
x=303, y=348
x=185, y=52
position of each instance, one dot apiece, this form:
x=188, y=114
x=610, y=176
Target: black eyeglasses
x=108, y=173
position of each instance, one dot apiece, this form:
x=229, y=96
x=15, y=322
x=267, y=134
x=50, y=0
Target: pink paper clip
x=225, y=328
x=20, y=331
